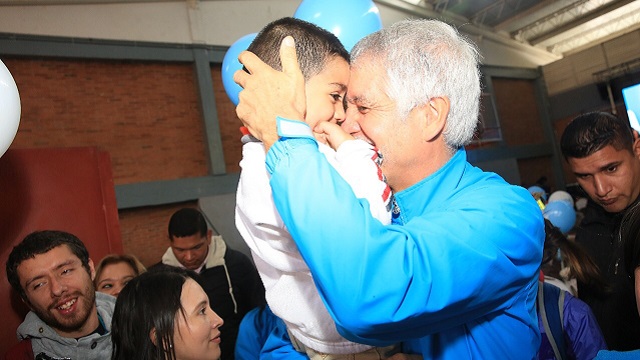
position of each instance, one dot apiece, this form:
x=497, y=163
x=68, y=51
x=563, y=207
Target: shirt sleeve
x=581, y=329
x=256, y=217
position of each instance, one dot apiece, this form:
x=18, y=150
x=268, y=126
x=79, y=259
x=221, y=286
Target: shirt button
x=93, y=345
x=41, y=330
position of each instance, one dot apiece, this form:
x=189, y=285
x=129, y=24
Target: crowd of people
x=372, y=236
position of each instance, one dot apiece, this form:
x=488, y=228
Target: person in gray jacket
x=52, y=273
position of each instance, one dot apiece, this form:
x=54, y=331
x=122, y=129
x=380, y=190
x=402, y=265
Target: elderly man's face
x=373, y=116
x=60, y=291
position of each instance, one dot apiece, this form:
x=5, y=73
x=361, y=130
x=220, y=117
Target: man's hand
x=268, y=93
x=332, y=133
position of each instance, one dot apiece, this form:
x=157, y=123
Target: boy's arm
x=358, y=162
x=256, y=217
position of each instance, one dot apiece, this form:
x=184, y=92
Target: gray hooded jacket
x=45, y=340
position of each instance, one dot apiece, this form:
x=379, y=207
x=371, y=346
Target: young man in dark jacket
x=604, y=154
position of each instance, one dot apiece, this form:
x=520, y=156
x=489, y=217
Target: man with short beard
x=52, y=273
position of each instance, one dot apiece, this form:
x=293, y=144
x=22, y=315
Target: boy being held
x=290, y=289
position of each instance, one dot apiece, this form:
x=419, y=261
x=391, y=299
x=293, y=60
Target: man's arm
x=454, y=265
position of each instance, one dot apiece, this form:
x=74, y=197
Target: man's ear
x=209, y=234
x=636, y=144
x=92, y=270
x=436, y=112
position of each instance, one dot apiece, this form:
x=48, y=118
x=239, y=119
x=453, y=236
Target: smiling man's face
x=60, y=291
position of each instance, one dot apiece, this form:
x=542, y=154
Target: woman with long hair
x=165, y=315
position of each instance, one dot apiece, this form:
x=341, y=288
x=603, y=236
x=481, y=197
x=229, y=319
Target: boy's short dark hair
x=314, y=45
x=187, y=222
x=40, y=242
x=593, y=131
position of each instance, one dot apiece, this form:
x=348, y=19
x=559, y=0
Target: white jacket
x=290, y=289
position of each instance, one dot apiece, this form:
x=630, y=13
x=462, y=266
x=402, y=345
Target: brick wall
x=145, y=114
x=144, y=230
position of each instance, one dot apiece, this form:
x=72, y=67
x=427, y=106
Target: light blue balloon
x=561, y=195
x=230, y=65
x=349, y=20
x=561, y=214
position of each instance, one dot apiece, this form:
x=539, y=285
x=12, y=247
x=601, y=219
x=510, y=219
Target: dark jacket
x=615, y=311
x=232, y=284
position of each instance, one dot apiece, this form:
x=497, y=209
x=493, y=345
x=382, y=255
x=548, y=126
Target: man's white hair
x=426, y=59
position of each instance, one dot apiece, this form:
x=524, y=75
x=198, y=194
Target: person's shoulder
x=557, y=283
x=494, y=189
x=32, y=326
x=104, y=299
x=479, y=179
x=106, y=305
x=232, y=255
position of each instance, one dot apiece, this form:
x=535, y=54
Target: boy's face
x=325, y=92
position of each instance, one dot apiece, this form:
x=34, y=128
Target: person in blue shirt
x=455, y=275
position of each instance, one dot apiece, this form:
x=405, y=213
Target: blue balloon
x=349, y=20
x=535, y=189
x=230, y=65
x=561, y=214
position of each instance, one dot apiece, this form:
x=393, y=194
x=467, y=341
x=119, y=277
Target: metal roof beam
x=579, y=21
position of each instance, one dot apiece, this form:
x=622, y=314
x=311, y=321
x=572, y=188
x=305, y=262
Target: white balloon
x=9, y=108
x=561, y=195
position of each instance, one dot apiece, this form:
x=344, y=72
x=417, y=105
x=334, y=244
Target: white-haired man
x=456, y=273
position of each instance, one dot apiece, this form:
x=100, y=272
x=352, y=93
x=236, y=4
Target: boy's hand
x=333, y=134
x=268, y=93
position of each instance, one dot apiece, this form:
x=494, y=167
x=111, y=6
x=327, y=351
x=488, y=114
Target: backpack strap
x=551, y=305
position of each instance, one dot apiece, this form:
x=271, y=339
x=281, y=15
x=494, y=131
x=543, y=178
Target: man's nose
x=57, y=287
x=350, y=123
x=601, y=186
